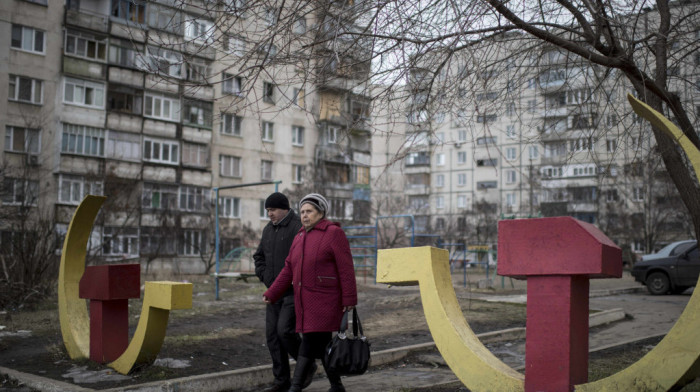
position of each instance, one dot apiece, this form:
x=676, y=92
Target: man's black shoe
x=277, y=388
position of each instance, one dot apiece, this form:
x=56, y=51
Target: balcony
x=80, y=67
x=88, y=20
x=416, y=189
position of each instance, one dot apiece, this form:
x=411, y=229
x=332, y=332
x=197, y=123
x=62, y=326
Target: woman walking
x=321, y=271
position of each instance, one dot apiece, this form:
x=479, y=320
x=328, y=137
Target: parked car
x=671, y=249
x=673, y=269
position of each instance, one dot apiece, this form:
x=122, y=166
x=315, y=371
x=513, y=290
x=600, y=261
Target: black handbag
x=347, y=355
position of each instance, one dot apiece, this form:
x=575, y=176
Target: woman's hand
x=348, y=308
x=266, y=300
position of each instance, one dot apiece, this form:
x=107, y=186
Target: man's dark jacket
x=274, y=248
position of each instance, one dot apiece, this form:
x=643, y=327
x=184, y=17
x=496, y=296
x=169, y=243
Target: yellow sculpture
x=468, y=358
x=158, y=299
x=674, y=362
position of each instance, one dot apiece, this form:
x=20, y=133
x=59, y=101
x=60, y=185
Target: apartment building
x=153, y=104
x=513, y=133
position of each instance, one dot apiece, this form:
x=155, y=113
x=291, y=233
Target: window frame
x=234, y=163
x=297, y=136
x=229, y=207
x=232, y=121
x=99, y=93
x=28, y=145
x=31, y=40
x=266, y=167
x=84, y=187
x=15, y=89
x=268, y=131
x=153, y=145
x=173, y=107
x=77, y=36
x=78, y=139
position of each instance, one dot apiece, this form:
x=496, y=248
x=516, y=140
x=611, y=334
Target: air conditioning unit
x=32, y=160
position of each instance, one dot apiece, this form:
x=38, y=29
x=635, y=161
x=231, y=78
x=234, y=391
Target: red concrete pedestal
x=109, y=287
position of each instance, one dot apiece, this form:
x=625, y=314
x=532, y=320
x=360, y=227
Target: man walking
x=280, y=322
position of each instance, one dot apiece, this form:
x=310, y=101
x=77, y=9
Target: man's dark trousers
x=282, y=339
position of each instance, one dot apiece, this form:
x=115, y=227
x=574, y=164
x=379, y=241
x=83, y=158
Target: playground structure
x=364, y=245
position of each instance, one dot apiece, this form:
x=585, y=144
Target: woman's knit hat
x=319, y=202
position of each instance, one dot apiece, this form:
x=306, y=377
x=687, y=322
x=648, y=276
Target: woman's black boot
x=301, y=378
x=334, y=380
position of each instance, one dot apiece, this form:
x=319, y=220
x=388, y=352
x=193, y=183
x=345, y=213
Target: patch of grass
x=219, y=333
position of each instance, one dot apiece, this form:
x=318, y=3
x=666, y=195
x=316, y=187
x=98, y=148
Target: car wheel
x=658, y=284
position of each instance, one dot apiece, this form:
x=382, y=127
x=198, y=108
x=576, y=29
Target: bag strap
x=356, y=324
x=344, y=323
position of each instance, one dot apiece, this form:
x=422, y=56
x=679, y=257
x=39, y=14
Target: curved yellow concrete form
x=675, y=360
x=72, y=310
x=159, y=298
x=468, y=358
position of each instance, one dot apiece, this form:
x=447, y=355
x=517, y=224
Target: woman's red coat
x=320, y=268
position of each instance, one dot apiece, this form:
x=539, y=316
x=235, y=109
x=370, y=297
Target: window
x=332, y=134
x=533, y=152
x=236, y=7
x=231, y=124
x=268, y=131
x=611, y=195
x=130, y=10
x=84, y=93
x=192, y=198
x=487, y=162
x=124, y=100
x=462, y=136
x=160, y=151
x=299, y=25
x=72, y=189
x=156, y=241
x=485, y=140
x=17, y=191
x=126, y=54
x=582, y=144
x=165, y=18
x=418, y=159
x=235, y=46
x=199, y=30
x=85, y=45
x=120, y=241
x=510, y=132
x=486, y=118
x=461, y=201
x=511, y=153
x=123, y=145
x=297, y=135
x=27, y=38
x=532, y=106
x=270, y=16
x=191, y=243
x=229, y=166
x=511, y=176
x=195, y=154
x=20, y=139
x=268, y=92
x=440, y=223
x=164, y=62
x=263, y=212
x=638, y=193
x=229, y=207
x=440, y=202
x=197, y=70
x=611, y=120
x=510, y=109
x=297, y=174
x=461, y=179
x=298, y=97
x=440, y=180
x=266, y=170
x=510, y=200
x=486, y=184
x=554, y=149
x=83, y=140
x=25, y=89
x=362, y=175
x=636, y=143
x=159, y=196
x=198, y=113
x=440, y=159
x=337, y=208
x=232, y=84
x=161, y=107
x=611, y=145
x=461, y=157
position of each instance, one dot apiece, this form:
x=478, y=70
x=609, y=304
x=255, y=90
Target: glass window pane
x=16, y=36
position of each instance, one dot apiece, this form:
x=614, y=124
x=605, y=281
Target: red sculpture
x=557, y=256
x=109, y=287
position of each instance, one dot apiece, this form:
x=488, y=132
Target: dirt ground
x=228, y=334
